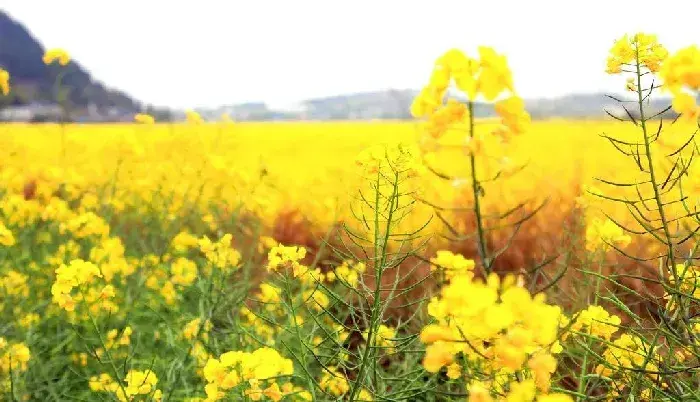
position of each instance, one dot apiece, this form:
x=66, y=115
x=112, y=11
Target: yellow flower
x=13, y=357
x=193, y=117
x=140, y=382
x=4, y=82
x=77, y=273
x=334, y=383
x=192, y=329
x=285, y=256
x=640, y=47
x=29, y=320
x=273, y=392
x=513, y=114
x=184, y=272
x=220, y=254
x=686, y=106
x=495, y=76
x=59, y=55
x=384, y=337
x=682, y=70
x=454, y=371
x=144, y=118
x=437, y=356
x=479, y=392
x=6, y=237
x=452, y=264
x=604, y=233
x=597, y=322
x=542, y=365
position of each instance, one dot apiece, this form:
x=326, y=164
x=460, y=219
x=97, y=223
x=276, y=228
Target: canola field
x=448, y=258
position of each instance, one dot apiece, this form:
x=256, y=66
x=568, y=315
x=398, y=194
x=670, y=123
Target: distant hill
x=395, y=105
x=32, y=81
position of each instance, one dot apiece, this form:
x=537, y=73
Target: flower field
x=448, y=258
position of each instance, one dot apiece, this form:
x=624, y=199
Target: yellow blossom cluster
x=192, y=330
x=75, y=275
x=7, y=239
x=85, y=225
x=681, y=76
x=604, y=233
x=686, y=281
x=235, y=368
x=220, y=254
x=144, y=118
x=109, y=256
x=624, y=357
x=640, y=47
x=13, y=357
x=451, y=264
x=56, y=55
x=596, y=321
x=183, y=242
x=518, y=391
x=136, y=382
x=183, y=271
x=4, y=82
x=286, y=257
x=385, y=338
x=497, y=323
x=348, y=272
x=14, y=283
x=401, y=159
x=489, y=76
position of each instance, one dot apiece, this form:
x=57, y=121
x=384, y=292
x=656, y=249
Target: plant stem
x=476, y=191
x=380, y=249
x=652, y=174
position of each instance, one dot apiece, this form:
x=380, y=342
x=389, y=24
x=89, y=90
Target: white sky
x=183, y=53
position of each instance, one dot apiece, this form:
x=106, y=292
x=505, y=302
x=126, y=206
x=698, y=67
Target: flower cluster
x=7, y=239
x=639, y=48
x=348, y=272
x=495, y=323
x=597, y=322
x=72, y=276
x=452, y=264
x=286, y=257
x=220, y=254
x=625, y=357
x=135, y=383
x=604, y=233
x=59, y=55
x=686, y=281
x=192, y=330
x=249, y=369
x=489, y=76
x=4, y=82
x=383, y=338
x=13, y=357
x=144, y=118
x=681, y=76
x=14, y=283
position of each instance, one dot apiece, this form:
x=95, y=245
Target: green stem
x=652, y=174
x=380, y=248
x=476, y=191
x=312, y=388
x=584, y=364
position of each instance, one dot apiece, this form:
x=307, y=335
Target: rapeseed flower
x=4, y=82
x=59, y=55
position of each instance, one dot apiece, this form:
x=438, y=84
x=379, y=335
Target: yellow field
x=277, y=167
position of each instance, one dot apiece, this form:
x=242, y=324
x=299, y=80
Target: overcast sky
x=182, y=53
